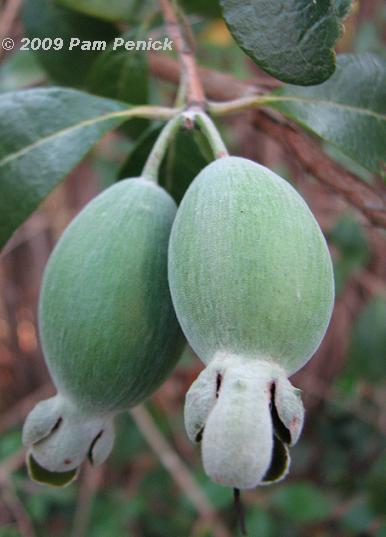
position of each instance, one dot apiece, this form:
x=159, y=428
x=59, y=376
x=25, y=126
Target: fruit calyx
x=245, y=413
x=59, y=437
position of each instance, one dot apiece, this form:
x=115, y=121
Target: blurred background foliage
x=337, y=484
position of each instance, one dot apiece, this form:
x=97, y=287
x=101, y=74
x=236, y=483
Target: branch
x=8, y=16
x=177, y=469
x=91, y=479
x=17, y=413
x=19, y=512
x=11, y=464
x=189, y=70
x=358, y=193
x=223, y=87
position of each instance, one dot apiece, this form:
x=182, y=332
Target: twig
x=223, y=87
x=178, y=470
x=213, y=136
x=17, y=509
x=8, y=16
x=372, y=283
x=358, y=193
x=89, y=484
x=218, y=86
x=151, y=168
x=189, y=70
x=17, y=413
x=10, y=464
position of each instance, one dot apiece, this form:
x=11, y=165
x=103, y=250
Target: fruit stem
x=212, y=134
x=151, y=169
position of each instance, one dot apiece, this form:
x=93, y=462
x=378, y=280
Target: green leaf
x=43, y=18
x=368, y=344
x=10, y=443
x=353, y=250
x=20, y=70
x=302, y=502
x=137, y=156
x=45, y=133
x=113, y=10
x=202, y=7
x=348, y=111
x=260, y=522
x=291, y=40
x=9, y=531
x=184, y=160
x=343, y=7
x=376, y=485
x=119, y=74
x=358, y=517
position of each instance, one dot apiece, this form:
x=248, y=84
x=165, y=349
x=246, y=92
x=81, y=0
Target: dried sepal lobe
x=244, y=422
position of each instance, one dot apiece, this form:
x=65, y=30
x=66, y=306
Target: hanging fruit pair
x=252, y=285
x=107, y=325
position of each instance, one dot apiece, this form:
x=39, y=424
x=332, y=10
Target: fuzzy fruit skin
x=107, y=324
x=249, y=269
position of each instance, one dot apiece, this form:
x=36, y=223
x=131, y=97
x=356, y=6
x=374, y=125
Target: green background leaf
x=291, y=40
x=353, y=250
x=113, y=10
x=368, y=345
x=183, y=161
x=19, y=70
x=119, y=74
x=45, y=133
x=343, y=7
x=202, y=7
x=302, y=502
x=348, y=110
x=43, y=18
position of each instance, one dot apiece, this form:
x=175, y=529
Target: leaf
x=19, y=70
x=358, y=517
x=202, y=7
x=302, y=502
x=43, y=18
x=45, y=133
x=343, y=7
x=260, y=522
x=348, y=111
x=376, y=485
x=137, y=156
x=119, y=74
x=368, y=344
x=350, y=240
x=113, y=10
x=291, y=40
x=183, y=161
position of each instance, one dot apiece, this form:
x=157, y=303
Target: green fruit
x=249, y=269
x=252, y=284
x=107, y=324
